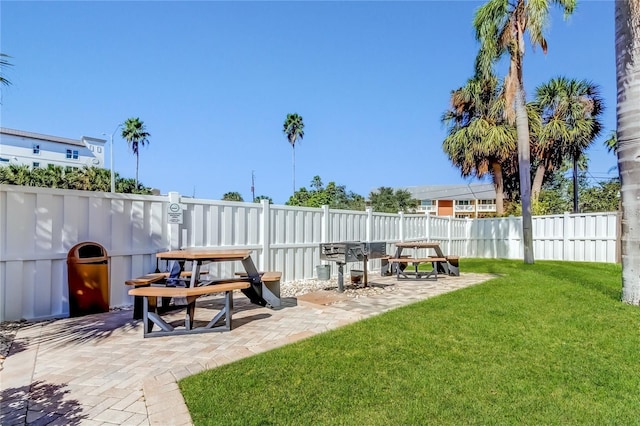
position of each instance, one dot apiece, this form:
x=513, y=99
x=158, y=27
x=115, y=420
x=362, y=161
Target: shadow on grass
x=39, y=403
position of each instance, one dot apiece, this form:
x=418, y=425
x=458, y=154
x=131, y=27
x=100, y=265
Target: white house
x=37, y=150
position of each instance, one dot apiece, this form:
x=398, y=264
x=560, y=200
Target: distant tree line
x=84, y=179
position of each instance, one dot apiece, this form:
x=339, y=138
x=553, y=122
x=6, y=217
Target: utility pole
x=253, y=188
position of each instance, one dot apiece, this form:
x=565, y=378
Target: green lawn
x=548, y=343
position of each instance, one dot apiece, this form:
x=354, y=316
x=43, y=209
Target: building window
x=462, y=202
x=427, y=203
x=36, y=149
x=486, y=201
x=35, y=164
x=4, y=160
x=72, y=154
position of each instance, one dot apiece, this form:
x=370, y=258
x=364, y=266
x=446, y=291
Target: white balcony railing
x=464, y=208
x=486, y=207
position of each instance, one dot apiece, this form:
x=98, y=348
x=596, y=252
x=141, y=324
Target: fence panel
x=38, y=226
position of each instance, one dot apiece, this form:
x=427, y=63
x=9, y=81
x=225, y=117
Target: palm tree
x=232, y=196
x=294, y=130
x=500, y=28
x=16, y=174
x=628, y=137
x=479, y=139
x=570, y=113
x=135, y=133
x=612, y=142
x=4, y=62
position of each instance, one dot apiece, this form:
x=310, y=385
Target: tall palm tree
x=293, y=130
x=628, y=137
x=500, y=27
x=135, y=133
x=570, y=112
x=479, y=139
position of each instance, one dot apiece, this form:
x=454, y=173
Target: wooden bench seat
x=417, y=260
x=158, y=278
x=150, y=316
x=270, y=287
x=152, y=278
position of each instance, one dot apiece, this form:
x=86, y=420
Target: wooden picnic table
x=261, y=288
x=439, y=261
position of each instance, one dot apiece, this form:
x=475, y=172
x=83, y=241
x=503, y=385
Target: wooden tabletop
x=205, y=254
x=418, y=244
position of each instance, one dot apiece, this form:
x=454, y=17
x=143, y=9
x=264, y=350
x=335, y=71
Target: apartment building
x=37, y=150
x=464, y=201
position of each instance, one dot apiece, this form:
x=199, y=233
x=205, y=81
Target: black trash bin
x=88, y=272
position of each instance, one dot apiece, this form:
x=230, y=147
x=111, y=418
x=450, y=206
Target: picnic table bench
x=401, y=272
x=151, y=316
x=446, y=264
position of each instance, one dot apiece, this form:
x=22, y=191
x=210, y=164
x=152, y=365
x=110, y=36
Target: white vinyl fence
x=38, y=226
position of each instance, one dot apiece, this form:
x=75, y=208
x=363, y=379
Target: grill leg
x=340, y=277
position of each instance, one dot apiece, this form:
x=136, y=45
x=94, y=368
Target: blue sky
x=214, y=81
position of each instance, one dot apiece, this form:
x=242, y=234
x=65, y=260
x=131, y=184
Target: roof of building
x=483, y=191
x=42, y=137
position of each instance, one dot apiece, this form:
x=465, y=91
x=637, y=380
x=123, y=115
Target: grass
x=548, y=343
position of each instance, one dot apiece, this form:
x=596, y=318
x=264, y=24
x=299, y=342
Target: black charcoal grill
x=351, y=251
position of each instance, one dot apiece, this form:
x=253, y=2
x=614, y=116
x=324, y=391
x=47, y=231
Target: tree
x=386, y=200
x=293, y=130
x=628, y=137
x=259, y=198
x=4, y=63
x=500, y=28
x=135, y=133
x=479, y=139
x=333, y=195
x=15, y=174
x=612, y=142
x=232, y=196
x=570, y=113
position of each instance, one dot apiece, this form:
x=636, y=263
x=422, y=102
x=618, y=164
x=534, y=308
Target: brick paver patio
x=98, y=369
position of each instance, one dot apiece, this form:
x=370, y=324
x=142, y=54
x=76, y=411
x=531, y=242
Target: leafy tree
x=386, y=200
x=627, y=24
x=603, y=197
x=479, y=140
x=293, y=130
x=135, y=133
x=232, y=196
x=259, y=198
x=500, y=28
x=570, y=113
x=333, y=195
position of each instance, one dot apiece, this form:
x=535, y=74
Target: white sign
x=174, y=213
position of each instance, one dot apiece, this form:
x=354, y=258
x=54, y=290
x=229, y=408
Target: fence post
x=266, y=234
x=326, y=225
x=174, y=228
x=428, y=236
x=401, y=230
x=369, y=225
x=449, y=233
x=565, y=236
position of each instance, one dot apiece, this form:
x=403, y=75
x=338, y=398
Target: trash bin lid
x=87, y=251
